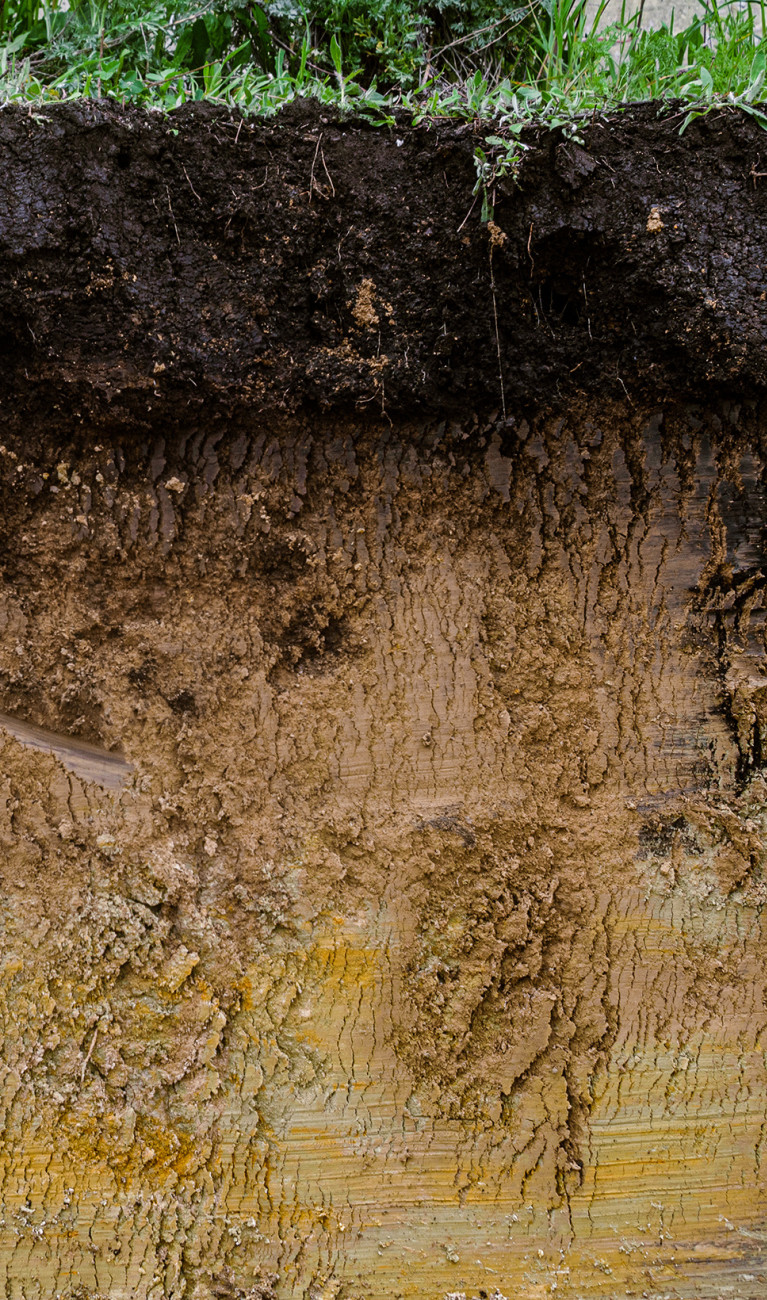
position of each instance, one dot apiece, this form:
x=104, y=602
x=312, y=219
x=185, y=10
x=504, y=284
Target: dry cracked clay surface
x=382, y=824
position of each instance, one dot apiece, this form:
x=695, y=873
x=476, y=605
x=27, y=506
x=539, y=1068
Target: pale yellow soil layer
x=422, y=951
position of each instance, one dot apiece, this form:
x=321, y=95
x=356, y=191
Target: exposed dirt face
x=432, y=901
x=153, y=268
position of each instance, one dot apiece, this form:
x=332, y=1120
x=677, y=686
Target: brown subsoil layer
x=383, y=710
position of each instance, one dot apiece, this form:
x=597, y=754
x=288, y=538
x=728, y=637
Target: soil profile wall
x=383, y=711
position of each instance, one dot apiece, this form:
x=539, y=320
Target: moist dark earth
x=202, y=261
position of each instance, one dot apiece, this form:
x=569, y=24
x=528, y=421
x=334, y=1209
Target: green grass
x=504, y=63
x=475, y=59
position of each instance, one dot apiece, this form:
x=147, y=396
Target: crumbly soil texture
x=199, y=262
x=383, y=709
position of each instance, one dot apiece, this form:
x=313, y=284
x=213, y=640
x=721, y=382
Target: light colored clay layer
x=423, y=953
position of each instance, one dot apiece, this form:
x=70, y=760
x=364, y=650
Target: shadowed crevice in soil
x=152, y=267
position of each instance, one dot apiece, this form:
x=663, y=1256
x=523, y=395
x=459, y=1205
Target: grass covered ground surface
x=506, y=64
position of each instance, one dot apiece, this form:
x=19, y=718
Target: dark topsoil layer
x=152, y=267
